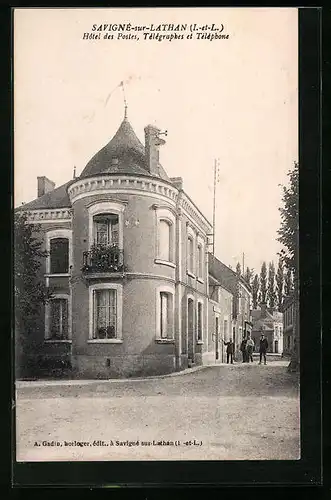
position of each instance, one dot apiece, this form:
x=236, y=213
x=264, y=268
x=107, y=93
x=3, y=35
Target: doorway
x=217, y=337
x=276, y=346
x=190, y=329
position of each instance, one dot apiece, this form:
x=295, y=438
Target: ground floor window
x=58, y=319
x=105, y=314
x=199, y=322
x=166, y=316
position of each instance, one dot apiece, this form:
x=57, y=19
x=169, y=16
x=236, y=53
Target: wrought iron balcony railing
x=103, y=259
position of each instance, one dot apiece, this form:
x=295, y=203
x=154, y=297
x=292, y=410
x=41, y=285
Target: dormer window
x=106, y=229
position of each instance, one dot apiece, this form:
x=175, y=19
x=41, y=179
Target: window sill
x=165, y=263
x=200, y=342
x=165, y=341
x=54, y=341
x=105, y=341
x=201, y=281
x=189, y=273
x=57, y=275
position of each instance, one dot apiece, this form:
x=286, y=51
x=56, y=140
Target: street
x=223, y=412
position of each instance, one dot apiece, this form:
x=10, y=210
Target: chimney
x=152, y=144
x=177, y=182
x=44, y=185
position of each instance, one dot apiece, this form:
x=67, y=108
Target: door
x=217, y=337
x=190, y=329
x=276, y=346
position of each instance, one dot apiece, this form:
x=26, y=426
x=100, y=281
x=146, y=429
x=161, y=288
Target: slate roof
x=58, y=198
x=223, y=274
x=125, y=146
x=129, y=151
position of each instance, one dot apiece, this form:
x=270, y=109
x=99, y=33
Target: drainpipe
x=178, y=285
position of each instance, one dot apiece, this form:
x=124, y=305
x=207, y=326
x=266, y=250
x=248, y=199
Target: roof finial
x=74, y=176
x=125, y=103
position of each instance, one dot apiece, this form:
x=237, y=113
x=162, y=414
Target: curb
x=21, y=384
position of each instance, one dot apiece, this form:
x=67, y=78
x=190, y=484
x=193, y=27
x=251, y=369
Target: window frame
x=170, y=291
x=119, y=309
x=200, y=302
x=55, y=296
x=52, y=235
x=166, y=215
x=103, y=208
x=190, y=265
x=200, y=260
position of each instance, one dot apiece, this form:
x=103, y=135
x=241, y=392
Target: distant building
x=242, y=296
x=288, y=325
x=270, y=323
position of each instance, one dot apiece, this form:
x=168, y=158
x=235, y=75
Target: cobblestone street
x=235, y=412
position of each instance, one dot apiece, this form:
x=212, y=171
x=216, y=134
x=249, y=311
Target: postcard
x=156, y=234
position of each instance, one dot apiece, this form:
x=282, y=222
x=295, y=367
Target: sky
x=235, y=100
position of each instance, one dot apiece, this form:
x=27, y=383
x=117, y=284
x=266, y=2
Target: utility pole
x=214, y=207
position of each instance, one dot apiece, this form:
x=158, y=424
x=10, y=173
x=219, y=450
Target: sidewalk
x=21, y=384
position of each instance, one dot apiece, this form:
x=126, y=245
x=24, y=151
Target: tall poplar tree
x=271, y=292
x=255, y=291
x=263, y=283
x=280, y=284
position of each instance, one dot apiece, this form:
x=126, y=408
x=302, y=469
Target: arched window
x=164, y=240
x=190, y=254
x=200, y=261
x=106, y=229
x=59, y=255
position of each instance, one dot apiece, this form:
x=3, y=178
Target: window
x=59, y=255
x=57, y=319
x=106, y=229
x=165, y=315
x=59, y=248
x=164, y=240
x=105, y=314
x=190, y=254
x=106, y=223
x=200, y=261
x=199, y=322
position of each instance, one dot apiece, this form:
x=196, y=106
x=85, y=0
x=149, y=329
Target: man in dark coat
x=263, y=349
x=243, y=350
x=229, y=351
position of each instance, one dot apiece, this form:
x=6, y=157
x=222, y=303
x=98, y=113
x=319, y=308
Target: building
x=128, y=267
x=241, y=299
x=270, y=323
x=288, y=325
x=220, y=311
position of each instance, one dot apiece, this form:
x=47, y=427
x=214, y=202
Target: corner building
x=128, y=265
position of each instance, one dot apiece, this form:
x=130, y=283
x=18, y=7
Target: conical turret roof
x=123, y=154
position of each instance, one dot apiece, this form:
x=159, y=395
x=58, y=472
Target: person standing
x=229, y=351
x=263, y=349
x=250, y=348
x=243, y=350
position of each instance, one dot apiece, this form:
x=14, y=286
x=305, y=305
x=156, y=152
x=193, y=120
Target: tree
x=30, y=292
x=255, y=291
x=280, y=284
x=271, y=292
x=263, y=283
x=238, y=269
x=288, y=233
x=288, y=283
x=249, y=273
x=288, y=236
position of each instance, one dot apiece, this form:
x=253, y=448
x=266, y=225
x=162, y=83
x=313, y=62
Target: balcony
x=103, y=259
